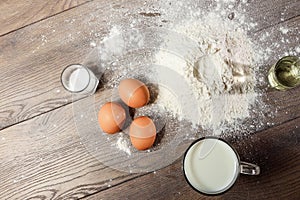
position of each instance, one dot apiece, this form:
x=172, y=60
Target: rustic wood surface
x=41, y=154
x=18, y=14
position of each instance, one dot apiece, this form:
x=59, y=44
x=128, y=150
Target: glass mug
x=77, y=78
x=211, y=166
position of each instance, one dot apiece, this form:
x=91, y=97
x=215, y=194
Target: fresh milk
x=211, y=166
x=79, y=80
x=82, y=80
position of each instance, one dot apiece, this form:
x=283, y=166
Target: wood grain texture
x=271, y=14
x=31, y=59
x=33, y=55
x=43, y=158
x=17, y=14
x=276, y=150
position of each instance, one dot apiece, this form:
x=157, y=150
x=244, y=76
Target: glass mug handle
x=249, y=168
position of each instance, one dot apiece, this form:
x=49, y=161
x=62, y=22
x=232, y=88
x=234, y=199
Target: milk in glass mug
x=211, y=166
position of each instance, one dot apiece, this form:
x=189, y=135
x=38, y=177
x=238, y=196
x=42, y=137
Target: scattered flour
x=123, y=145
x=110, y=41
x=205, y=71
x=220, y=75
x=284, y=30
x=211, y=83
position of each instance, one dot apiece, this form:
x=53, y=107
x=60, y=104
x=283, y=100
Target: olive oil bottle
x=285, y=74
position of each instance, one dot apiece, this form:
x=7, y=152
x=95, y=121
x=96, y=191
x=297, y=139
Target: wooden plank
x=17, y=14
x=45, y=158
x=272, y=13
x=275, y=150
x=31, y=59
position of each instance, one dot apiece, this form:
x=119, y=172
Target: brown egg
x=134, y=93
x=142, y=133
x=111, y=117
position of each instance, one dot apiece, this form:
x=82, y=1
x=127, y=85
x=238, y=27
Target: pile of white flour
x=204, y=67
x=220, y=75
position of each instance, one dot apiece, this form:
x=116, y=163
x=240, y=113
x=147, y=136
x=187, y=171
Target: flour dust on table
x=218, y=69
x=221, y=74
x=201, y=67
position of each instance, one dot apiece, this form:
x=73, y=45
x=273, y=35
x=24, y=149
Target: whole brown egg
x=134, y=93
x=142, y=133
x=111, y=117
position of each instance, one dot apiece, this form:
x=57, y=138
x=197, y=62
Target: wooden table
x=41, y=154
